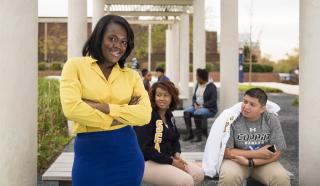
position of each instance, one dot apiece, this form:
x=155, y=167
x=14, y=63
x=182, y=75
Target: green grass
x=52, y=125
x=243, y=88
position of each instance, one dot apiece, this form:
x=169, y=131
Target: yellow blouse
x=82, y=79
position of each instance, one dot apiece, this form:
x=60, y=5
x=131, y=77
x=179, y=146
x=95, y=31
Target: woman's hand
x=178, y=157
x=134, y=100
x=180, y=164
x=241, y=160
x=99, y=106
x=196, y=106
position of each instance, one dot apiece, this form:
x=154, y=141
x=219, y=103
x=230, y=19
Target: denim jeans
x=202, y=111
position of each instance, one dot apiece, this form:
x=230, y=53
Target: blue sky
x=275, y=23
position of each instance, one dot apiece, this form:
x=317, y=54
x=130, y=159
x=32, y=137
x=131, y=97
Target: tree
x=159, y=38
x=247, y=52
x=289, y=64
x=141, y=41
x=56, y=43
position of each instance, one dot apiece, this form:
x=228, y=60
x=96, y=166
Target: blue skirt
x=107, y=158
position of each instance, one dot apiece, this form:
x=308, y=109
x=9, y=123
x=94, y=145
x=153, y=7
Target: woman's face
x=114, y=43
x=162, y=98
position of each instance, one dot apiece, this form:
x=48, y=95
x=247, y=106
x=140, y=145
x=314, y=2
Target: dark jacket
x=209, y=97
x=168, y=144
x=163, y=78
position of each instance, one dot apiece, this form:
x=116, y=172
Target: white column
x=175, y=55
x=77, y=26
x=229, y=54
x=77, y=32
x=309, y=99
x=199, y=36
x=184, y=55
x=169, y=52
x=18, y=95
x=149, y=46
x=97, y=12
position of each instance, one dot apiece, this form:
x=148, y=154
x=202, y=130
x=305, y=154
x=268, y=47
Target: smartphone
x=272, y=148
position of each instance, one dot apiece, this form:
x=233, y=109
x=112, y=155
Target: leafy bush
x=52, y=125
x=216, y=67
x=209, y=67
x=243, y=88
x=56, y=66
x=42, y=66
x=257, y=68
x=161, y=64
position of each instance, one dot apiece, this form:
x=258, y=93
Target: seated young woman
x=159, y=142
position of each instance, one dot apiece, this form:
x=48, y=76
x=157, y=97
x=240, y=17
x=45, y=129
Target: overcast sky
x=275, y=23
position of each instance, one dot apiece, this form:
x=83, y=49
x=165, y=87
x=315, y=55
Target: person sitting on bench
x=204, y=105
x=159, y=142
x=255, y=145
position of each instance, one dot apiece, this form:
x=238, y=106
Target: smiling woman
x=103, y=98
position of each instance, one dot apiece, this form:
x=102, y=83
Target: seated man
x=204, y=105
x=160, y=74
x=247, y=153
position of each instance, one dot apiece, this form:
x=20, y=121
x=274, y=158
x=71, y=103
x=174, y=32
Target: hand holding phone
x=272, y=148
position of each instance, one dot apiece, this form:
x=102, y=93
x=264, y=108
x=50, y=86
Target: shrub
x=216, y=67
x=42, y=66
x=161, y=64
x=243, y=88
x=52, y=125
x=209, y=67
x=56, y=66
x=257, y=68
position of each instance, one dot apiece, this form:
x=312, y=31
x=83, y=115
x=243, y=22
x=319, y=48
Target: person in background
x=146, y=75
x=248, y=151
x=159, y=142
x=104, y=99
x=160, y=73
x=204, y=105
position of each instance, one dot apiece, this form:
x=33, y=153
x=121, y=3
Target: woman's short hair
x=203, y=74
x=172, y=90
x=92, y=47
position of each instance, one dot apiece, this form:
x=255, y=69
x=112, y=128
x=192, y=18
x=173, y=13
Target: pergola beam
x=150, y=2
x=89, y=20
x=145, y=13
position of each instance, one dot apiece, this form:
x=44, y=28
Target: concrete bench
x=61, y=168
